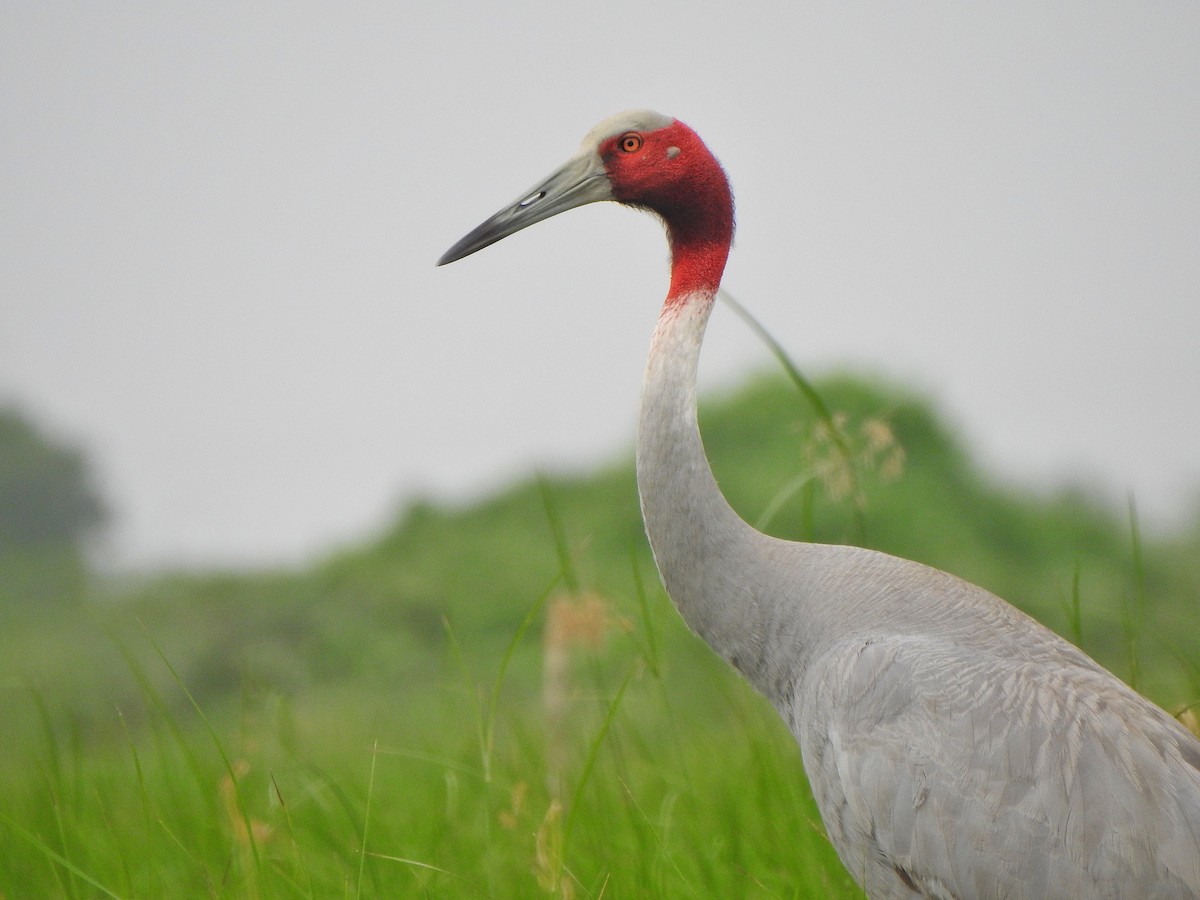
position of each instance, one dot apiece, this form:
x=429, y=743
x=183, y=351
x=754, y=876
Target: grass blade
x=57, y=857
x=810, y=393
x=230, y=771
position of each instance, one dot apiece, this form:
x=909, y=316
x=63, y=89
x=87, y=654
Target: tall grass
x=656, y=797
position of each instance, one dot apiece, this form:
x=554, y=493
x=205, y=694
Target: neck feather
x=697, y=264
x=694, y=533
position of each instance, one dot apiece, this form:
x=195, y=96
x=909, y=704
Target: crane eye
x=630, y=143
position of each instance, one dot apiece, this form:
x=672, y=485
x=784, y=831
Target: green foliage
x=48, y=509
x=45, y=493
x=498, y=700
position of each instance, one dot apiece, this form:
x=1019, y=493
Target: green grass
x=497, y=700
x=681, y=785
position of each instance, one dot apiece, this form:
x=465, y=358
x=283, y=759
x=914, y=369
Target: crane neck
x=696, y=536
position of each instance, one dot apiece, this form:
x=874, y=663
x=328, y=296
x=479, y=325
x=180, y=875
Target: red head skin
x=670, y=172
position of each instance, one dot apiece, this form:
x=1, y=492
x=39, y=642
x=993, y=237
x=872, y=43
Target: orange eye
x=630, y=143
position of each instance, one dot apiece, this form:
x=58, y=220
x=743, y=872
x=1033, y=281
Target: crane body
x=956, y=748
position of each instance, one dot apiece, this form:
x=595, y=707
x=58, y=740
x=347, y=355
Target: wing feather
x=959, y=771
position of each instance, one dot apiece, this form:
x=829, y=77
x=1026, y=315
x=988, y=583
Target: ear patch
x=672, y=152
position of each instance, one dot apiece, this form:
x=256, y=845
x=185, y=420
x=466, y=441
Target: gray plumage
x=955, y=747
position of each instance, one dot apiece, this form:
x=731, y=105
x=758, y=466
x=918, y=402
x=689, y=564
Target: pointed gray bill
x=582, y=180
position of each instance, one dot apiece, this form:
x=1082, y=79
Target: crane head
x=639, y=158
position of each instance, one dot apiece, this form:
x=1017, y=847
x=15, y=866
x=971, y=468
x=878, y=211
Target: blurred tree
x=48, y=510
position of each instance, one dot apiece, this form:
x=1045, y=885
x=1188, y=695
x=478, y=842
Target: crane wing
x=959, y=771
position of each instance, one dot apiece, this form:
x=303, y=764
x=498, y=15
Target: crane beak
x=582, y=180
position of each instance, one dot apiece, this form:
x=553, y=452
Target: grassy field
x=497, y=700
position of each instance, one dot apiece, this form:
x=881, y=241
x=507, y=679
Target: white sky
x=219, y=222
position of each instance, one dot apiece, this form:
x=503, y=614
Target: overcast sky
x=219, y=222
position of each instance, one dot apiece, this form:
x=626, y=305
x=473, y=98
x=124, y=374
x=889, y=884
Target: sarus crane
x=956, y=748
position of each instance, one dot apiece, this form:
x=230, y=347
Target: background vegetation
x=48, y=511
x=497, y=699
